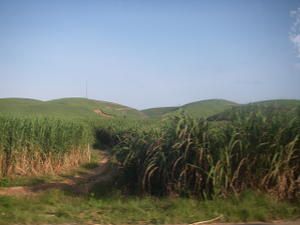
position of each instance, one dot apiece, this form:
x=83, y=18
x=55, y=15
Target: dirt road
x=81, y=183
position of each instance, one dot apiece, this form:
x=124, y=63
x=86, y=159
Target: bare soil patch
x=101, y=113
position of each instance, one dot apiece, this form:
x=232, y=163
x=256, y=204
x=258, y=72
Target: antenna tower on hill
x=86, y=89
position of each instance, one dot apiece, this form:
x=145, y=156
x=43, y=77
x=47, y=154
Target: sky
x=150, y=53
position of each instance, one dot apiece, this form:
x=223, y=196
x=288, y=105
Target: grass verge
x=59, y=207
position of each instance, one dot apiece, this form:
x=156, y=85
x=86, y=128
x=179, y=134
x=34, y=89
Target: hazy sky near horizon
x=150, y=53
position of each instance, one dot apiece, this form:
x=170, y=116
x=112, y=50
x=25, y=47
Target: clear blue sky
x=150, y=53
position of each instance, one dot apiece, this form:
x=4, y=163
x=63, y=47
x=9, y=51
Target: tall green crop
x=38, y=145
x=189, y=156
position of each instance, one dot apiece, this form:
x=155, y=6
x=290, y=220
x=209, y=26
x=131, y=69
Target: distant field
x=279, y=103
x=197, y=109
x=159, y=112
x=71, y=108
x=289, y=107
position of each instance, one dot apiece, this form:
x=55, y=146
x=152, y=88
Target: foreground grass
x=58, y=207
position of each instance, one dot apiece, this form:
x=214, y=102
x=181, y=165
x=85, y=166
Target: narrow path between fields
x=80, y=183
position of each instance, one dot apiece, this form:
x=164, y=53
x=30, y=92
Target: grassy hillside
x=73, y=108
x=203, y=108
x=207, y=108
x=279, y=103
x=287, y=106
x=158, y=112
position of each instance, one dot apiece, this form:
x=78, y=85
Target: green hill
x=197, y=109
x=207, y=108
x=287, y=106
x=73, y=108
x=158, y=112
x=279, y=103
x=81, y=108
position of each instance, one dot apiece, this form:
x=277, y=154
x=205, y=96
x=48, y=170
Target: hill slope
x=197, y=109
x=159, y=112
x=287, y=106
x=279, y=103
x=73, y=108
x=207, y=108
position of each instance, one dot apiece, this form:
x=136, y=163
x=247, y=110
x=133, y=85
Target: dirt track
x=78, y=183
